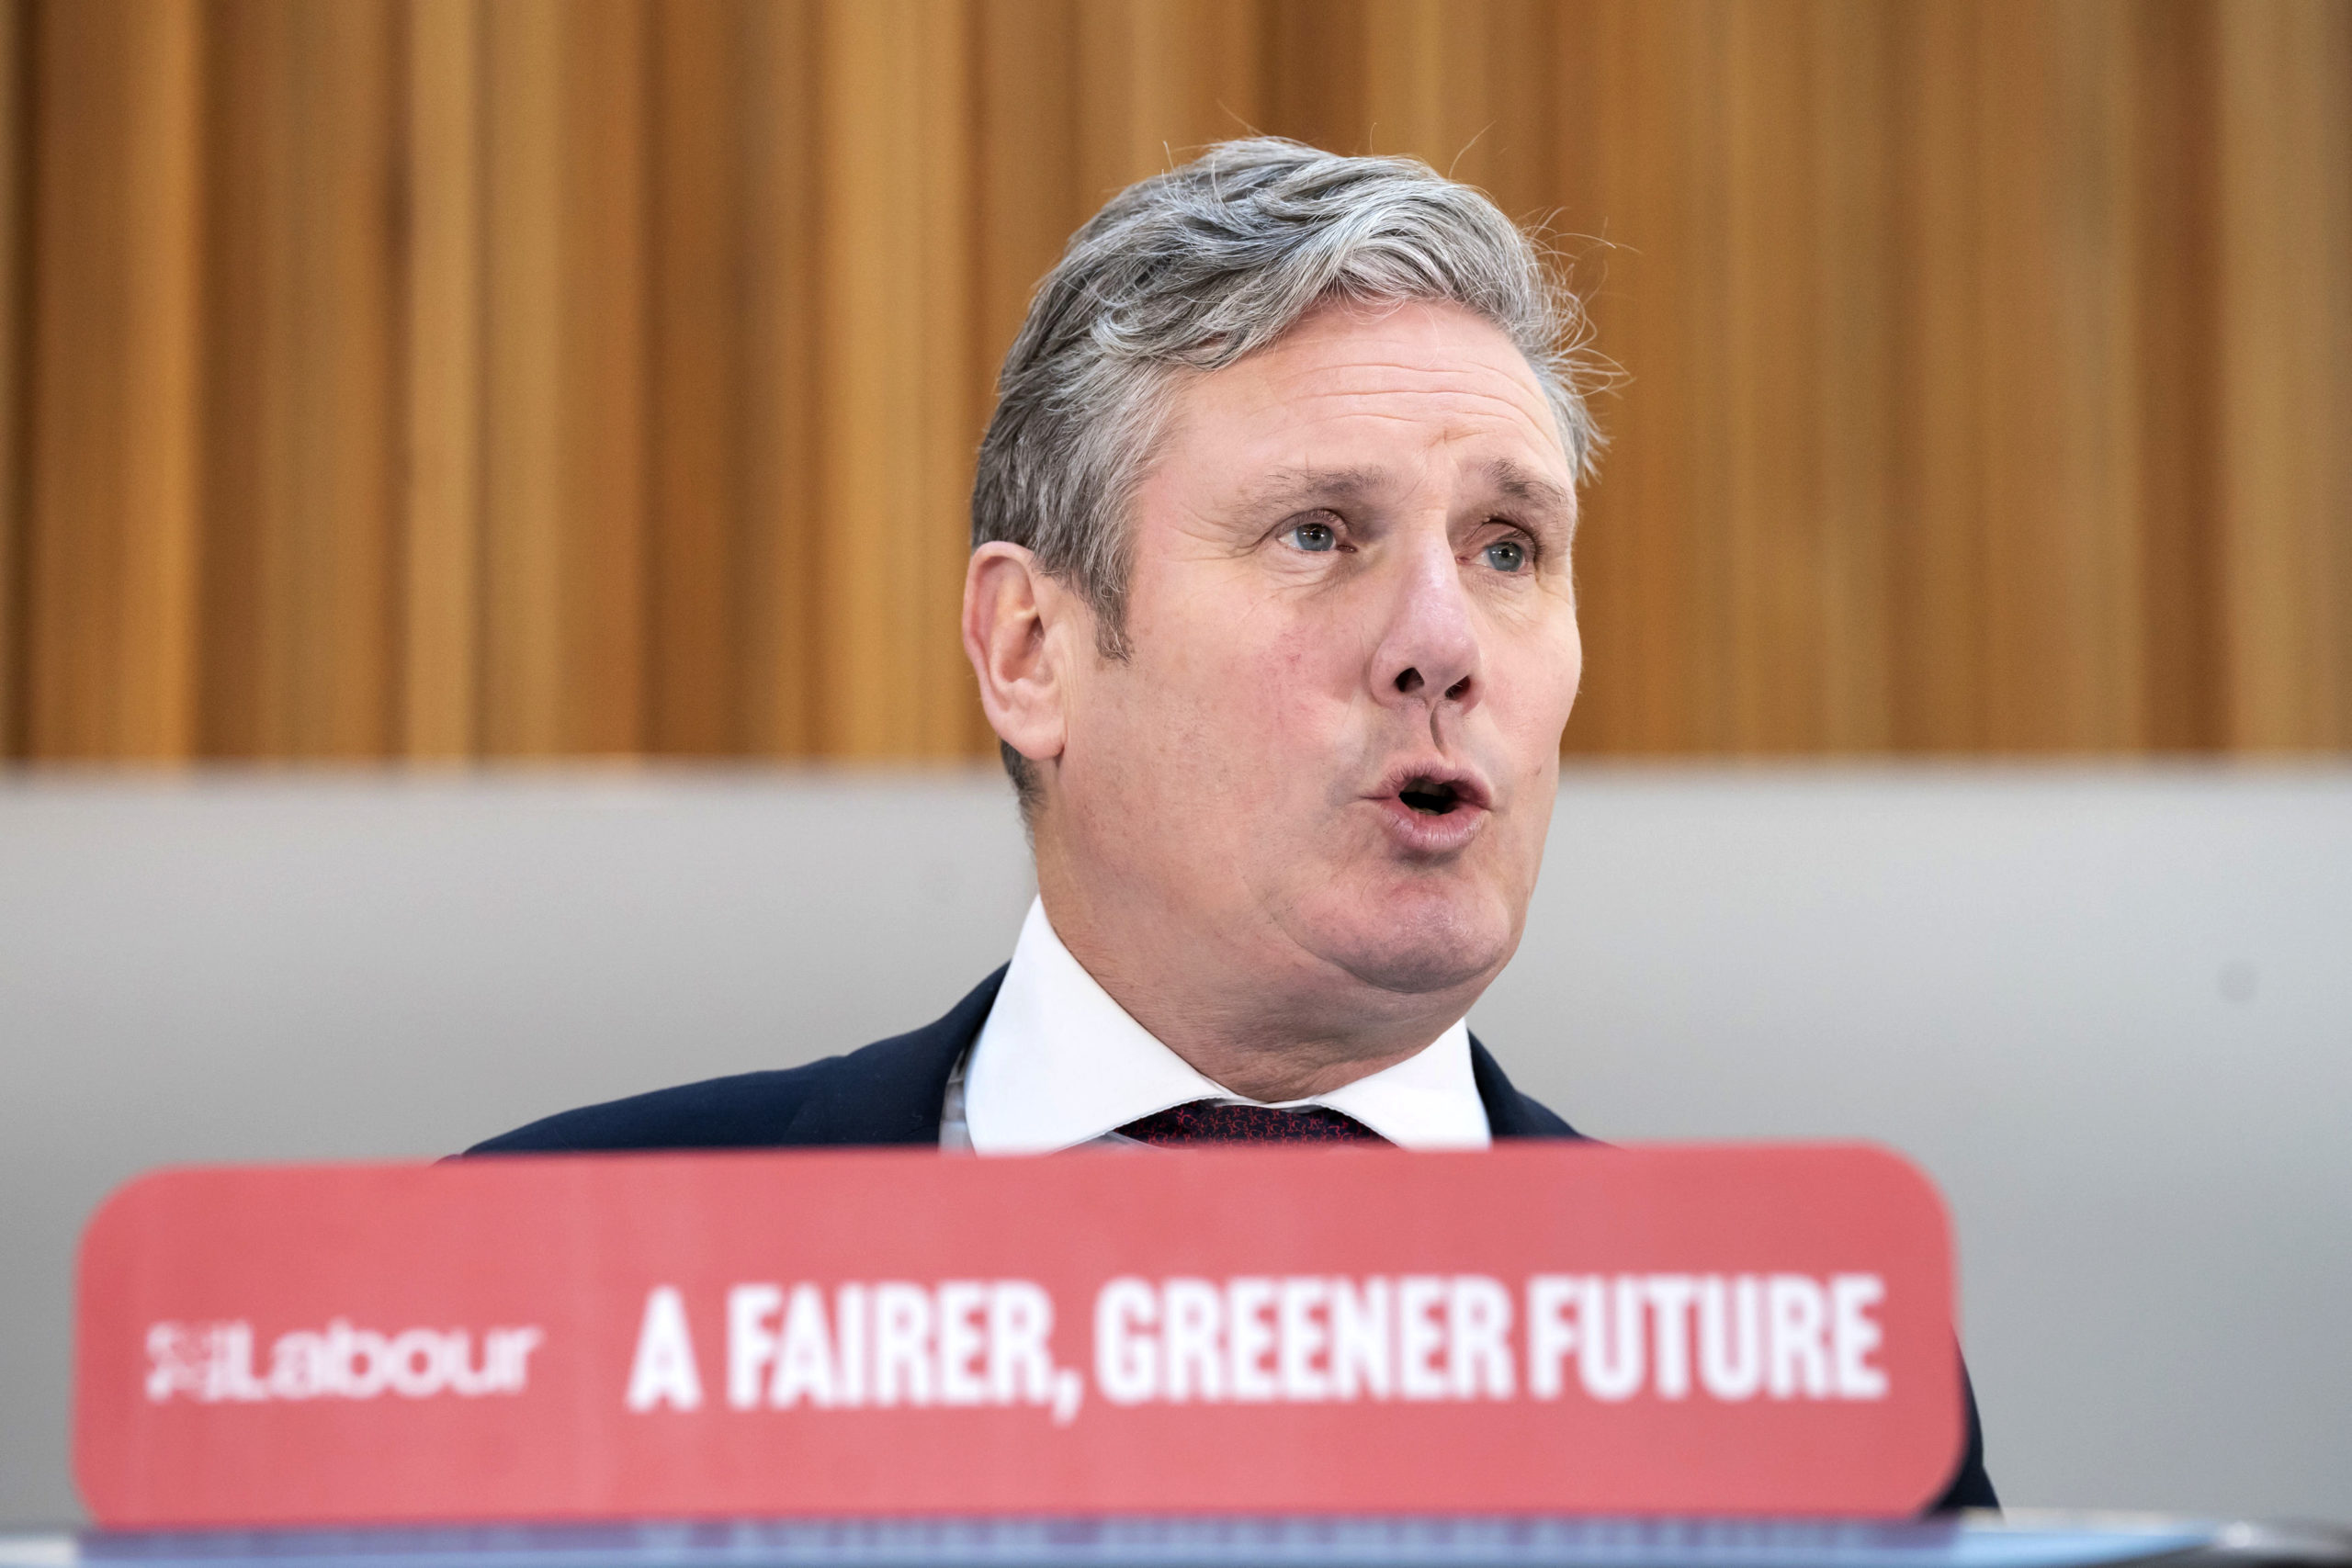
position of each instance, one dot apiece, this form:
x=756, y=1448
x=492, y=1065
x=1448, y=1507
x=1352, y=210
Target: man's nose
x=1429, y=650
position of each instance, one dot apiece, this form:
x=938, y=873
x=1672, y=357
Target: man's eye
x=1313, y=538
x=1506, y=555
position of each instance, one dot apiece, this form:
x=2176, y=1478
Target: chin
x=1416, y=942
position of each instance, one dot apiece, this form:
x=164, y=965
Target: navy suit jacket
x=891, y=1091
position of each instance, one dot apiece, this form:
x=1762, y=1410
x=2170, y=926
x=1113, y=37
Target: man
x=1270, y=604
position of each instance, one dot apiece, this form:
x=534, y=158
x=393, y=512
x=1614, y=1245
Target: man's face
x=1332, y=755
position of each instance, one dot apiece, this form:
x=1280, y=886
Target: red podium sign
x=1750, y=1330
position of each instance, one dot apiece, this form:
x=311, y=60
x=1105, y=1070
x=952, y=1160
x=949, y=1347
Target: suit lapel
x=1510, y=1114
x=890, y=1091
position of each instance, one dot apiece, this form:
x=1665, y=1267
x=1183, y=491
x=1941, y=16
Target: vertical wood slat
x=1407, y=47
x=300, y=555
x=1312, y=82
x=1769, y=648
x=15, y=137
x=1854, y=302
x=1506, y=112
x=441, y=503
x=952, y=407
x=2331, y=530
x=693, y=637
x=779, y=582
x=898, y=421
x=1695, y=112
x=1937, y=558
x=2060, y=644
x=1153, y=82
x=605, y=352
x=338, y=669
x=112, y=530
x=1469, y=89
x=869, y=546
x=252, y=522
x=565, y=459
x=2176, y=262
x=524, y=483
x=451, y=378
x=1642, y=571
x=2286, y=389
x=1030, y=168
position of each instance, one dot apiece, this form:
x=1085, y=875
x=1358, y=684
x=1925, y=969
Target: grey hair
x=1196, y=267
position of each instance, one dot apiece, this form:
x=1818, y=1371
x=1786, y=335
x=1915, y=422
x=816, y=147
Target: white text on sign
x=213, y=1362
x=1314, y=1338
x=1265, y=1338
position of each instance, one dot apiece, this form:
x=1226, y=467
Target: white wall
x=2110, y=1012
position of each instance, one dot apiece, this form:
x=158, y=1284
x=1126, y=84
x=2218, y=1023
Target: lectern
x=1541, y=1357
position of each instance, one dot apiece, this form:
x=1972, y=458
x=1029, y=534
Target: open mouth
x=1429, y=798
x=1432, y=807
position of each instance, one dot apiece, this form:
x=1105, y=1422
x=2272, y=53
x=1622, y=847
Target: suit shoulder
x=744, y=1110
x=888, y=1092
x=1509, y=1114
x=1540, y=1121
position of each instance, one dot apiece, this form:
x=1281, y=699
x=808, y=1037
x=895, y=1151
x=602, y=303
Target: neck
x=1257, y=1015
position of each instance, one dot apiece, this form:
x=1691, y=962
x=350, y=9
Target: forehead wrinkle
x=1480, y=383
x=1459, y=405
x=1291, y=366
x=1317, y=399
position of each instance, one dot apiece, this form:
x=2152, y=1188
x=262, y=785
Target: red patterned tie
x=1220, y=1122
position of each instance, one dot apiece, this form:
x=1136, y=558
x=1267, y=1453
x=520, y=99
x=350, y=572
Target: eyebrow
x=1293, y=487
x=1304, y=487
x=1530, y=488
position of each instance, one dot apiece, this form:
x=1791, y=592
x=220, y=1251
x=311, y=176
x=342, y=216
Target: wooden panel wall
x=442, y=378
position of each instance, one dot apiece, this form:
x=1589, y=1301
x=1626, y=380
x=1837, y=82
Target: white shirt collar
x=1059, y=1063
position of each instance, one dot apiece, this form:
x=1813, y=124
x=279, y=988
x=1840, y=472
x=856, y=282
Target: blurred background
x=596, y=377
x=589, y=383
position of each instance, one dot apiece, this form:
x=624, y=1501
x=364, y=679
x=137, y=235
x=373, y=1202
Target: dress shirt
x=1059, y=1063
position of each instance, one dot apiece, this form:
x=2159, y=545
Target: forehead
x=1369, y=381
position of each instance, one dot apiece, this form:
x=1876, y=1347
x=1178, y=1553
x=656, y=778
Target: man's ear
x=1015, y=633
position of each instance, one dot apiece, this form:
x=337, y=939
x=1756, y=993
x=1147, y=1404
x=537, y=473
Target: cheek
x=1302, y=665
x=1192, y=714
x=1298, y=692
x=1257, y=688
x=1535, y=689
